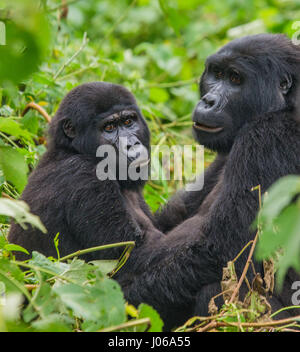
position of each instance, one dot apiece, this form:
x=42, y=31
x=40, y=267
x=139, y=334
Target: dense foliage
x=156, y=49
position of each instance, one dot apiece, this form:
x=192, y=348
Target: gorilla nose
x=208, y=101
x=134, y=151
x=134, y=145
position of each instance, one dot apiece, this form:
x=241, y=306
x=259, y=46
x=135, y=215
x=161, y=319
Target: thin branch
x=172, y=84
x=78, y=72
x=242, y=251
x=118, y=21
x=249, y=260
x=3, y=135
x=4, y=195
x=237, y=288
x=268, y=324
x=38, y=108
x=85, y=40
x=63, y=4
x=97, y=248
x=129, y=324
x=283, y=309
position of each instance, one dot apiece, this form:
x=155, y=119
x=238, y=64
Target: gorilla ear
x=68, y=128
x=286, y=84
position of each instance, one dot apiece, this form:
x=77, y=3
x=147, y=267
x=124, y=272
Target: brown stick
x=273, y=323
x=249, y=260
x=37, y=107
x=4, y=195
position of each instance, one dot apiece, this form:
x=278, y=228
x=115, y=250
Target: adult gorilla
x=247, y=113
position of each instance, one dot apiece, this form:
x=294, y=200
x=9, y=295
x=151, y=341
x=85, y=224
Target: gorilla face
x=247, y=78
x=103, y=114
x=126, y=133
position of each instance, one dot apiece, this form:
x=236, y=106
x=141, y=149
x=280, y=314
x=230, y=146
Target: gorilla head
x=102, y=114
x=267, y=63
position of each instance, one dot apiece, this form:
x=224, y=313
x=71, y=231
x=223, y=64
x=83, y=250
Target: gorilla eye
x=284, y=85
x=109, y=127
x=218, y=73
x=128, y=122
x=235, y=77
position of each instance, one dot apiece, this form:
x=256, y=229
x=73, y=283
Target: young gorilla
x=64, y=190
x=248, y=113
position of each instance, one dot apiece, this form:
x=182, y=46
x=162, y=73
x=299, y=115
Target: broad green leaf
x=44, y=303
x=285, y=235
x=100, y=305
x=13, y=128
x=14, y=167
x=78, y=299
x=146, y=311
x=278, y=196
x=31, y=123
x=27, y=38
x=40, y=261
x=11, y=275
x=54, y=323
x=14, y=247
x=105, y=266
x=19, y=210
x=78, y=271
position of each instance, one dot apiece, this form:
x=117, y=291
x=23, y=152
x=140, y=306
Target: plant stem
x=237, y=288
x=130, y=324
x=172, y=84
x=85, y=40
x=37, y=107
x=97, y=248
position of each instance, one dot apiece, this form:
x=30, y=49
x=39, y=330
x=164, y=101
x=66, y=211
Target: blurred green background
x=155, y=48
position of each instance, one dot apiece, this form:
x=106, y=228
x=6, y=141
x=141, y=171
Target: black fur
x=257, y=109
x=64, y=190
x=259, y=143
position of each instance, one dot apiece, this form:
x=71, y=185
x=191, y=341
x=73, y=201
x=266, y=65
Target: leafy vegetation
x=157, y=49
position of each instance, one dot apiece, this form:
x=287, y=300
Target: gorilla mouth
x=210, y=129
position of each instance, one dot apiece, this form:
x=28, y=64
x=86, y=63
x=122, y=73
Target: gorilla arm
x=193, y=254
x=97, y=213
x=134, y=200
x=185, y=204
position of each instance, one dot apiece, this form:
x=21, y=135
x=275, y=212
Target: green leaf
x=105, y=266
x=27, y=37
x=284, y=234
x=146, y=311
x=78, y=299
x=278, y=197
x=11, y=275
x=54, y=323
x=14, y=247
x=13, y=128
x=100, y=305
x=14, y=167
x=44, y=303
x=78, y=271
x=19, y=210
x=31, y=123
